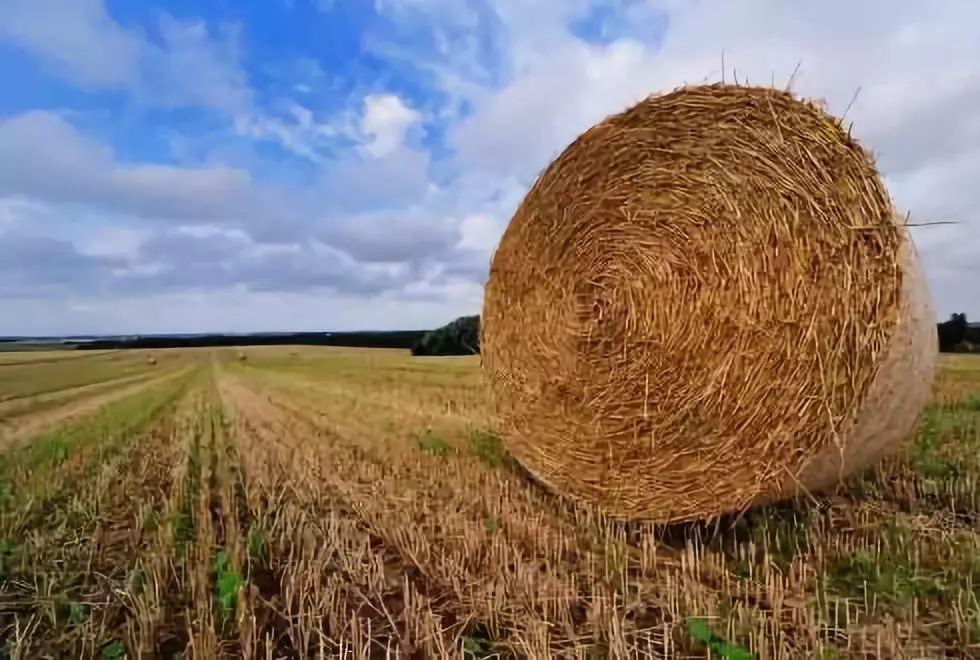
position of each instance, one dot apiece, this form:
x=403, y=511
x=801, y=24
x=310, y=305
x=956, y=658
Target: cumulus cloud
x=479, y=232
x=522, y=126
x=205, y=258
x=363, y=153
x=189, y=259
x=550, y=99
x=903, y=72
x=385, y=121
x=44, y=157
x=381, y=169
x=38, y=266
x=356, y=183
x=404, y=236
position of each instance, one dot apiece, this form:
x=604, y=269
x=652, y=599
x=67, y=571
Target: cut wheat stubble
x=706, y=302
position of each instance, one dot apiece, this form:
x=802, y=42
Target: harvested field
x=319, y=502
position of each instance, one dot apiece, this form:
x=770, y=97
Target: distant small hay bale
x=151, y=360
x=241, y=356
x=704, y=303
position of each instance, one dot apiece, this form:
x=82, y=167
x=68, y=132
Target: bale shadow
x=786, y=518
x=732, y=528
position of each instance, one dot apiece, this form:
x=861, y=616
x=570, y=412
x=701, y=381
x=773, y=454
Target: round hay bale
x=706, y=302
x=241, y=356
x=151, y=360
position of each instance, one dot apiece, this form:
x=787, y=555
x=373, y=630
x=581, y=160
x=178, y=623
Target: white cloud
x=296, y=130
x=230, y=309
x=80, y=41
x=400, y=177
x=379, y=128
x=524, y=125
x=385, y=122
x=195, y=67
x=406, y=235
x=918, y=108
x=45, y=158
x=112, y=241
x=479, y=232
x=73, y=38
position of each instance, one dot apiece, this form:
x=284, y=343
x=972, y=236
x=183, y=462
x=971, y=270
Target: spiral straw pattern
x=703, y=303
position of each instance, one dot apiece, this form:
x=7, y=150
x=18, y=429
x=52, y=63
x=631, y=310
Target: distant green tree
x=460, y=337
x=952, y=332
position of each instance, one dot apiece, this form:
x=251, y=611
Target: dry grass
x=349, y=503
x=56, y=372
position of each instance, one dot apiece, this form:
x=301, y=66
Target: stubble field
x=310, y=502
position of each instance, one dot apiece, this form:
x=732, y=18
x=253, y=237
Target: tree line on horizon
x=462, y=337
x=459, y=337
x=957, y=335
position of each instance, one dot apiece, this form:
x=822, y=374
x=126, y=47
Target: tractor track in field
x=87, y=355
x=14, y=430
x=431, y=514
x=18, y=406
x=369, y=592
x=85, y=552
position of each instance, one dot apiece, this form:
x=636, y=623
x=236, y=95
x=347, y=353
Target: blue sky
x=331, y=164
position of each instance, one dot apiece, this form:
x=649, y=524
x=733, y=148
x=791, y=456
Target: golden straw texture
x=688, y=310
x=900, y=390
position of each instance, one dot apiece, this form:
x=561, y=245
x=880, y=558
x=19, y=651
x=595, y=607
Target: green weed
x=7, y=548
x=896, y=535
x=135, y=580
x=487, y=448
x=433, y=444
x=77, y=612
x=699, y=631
x=477, y=643
x=474, y=647
x=946, y=444
x=227, y=582
x=892, y=579
x=971, y=403
x=151, y=521
x=866, y=485
x=784, y=532
x=182, y=528
x=114, y=650
x=257, y=549
x=182, y=523
x=925, y=453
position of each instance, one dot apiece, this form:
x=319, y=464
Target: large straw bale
x=705, y=302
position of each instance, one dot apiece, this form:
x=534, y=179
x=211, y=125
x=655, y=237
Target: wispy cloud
x=190, y=65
